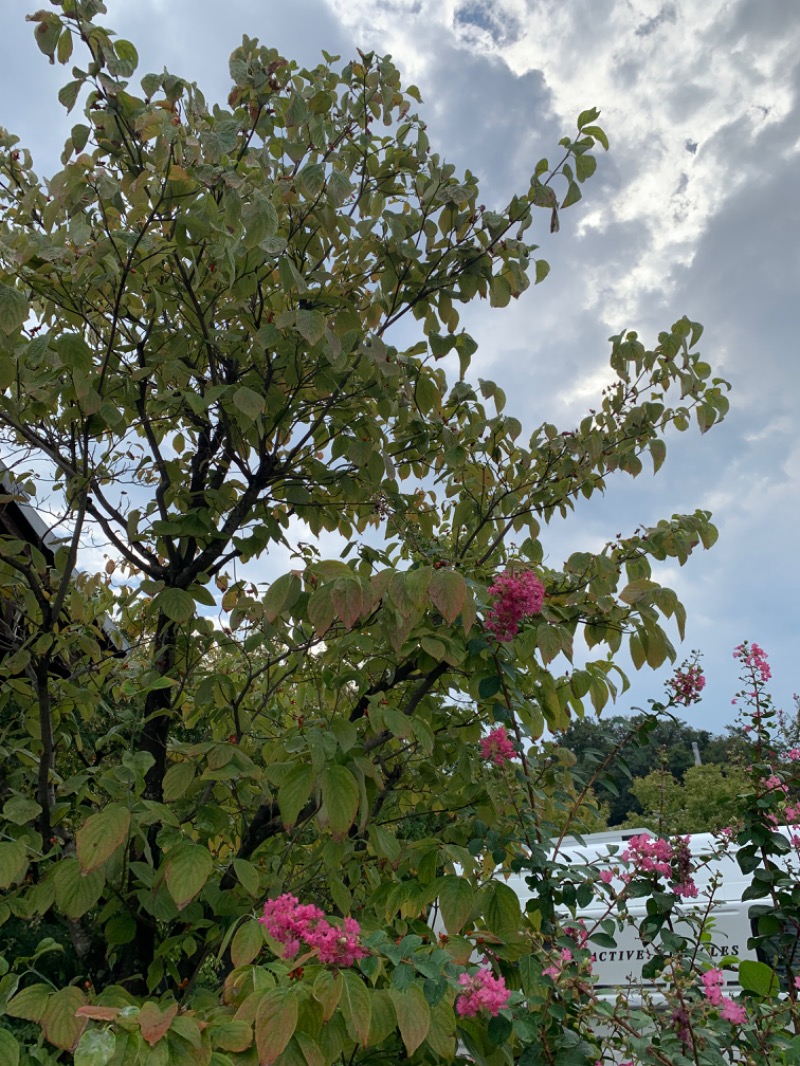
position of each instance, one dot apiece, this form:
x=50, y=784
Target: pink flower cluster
x=649, y=855
x=687, y=684
x=712, y=981
x=497, y=747
x=516, y=595
x=481, y=991
x=292, y=924
x=754, y=657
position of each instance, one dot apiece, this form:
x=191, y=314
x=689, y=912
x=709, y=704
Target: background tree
x=201, y=365
x=705, y=800
x=645, y=750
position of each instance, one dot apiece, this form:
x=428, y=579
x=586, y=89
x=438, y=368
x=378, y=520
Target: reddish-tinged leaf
x=327, y=991
x=98, y=1013
x=60, y=1023
x=413, y=1015
x=348, y=600
x=356, y=1008
x=448, y=593
x=155, y=1022
x=276, y=1021
x=101, y=835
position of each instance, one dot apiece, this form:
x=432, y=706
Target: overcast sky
x=693, y=211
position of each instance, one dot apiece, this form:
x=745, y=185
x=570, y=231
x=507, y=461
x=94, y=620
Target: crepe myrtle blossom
x=481, y=991
x=516, y=595
x=712, y=981
x=687, y=683
x=293, y=924
x=497, y=747
x=754, y=657
x=649, y=855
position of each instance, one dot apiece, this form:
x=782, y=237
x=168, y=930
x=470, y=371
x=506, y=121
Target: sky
x=694, y=210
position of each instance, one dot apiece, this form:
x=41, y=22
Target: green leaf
x=13, y=309
x=9, y=1049
x=64, y=49
x=573, y=195
x=585, y=117
x=126, y=61
x=186, y=870
x=249, y=402
x=542, y=270
x=76, y=892
x=356, y=1008
x=177, y=779
x=248, y=876
x=637, y=591
x=247, y=943
x=502, y=913
x=68, y=94
x=448, y=591
x=413, y=1015
x=311, y=180
x=101, y=835
x=489, y=686
x=176, y=604
x=233, y=1036
x=275, y=1023
x=340, y=798
x=456, y=901
x=96, y=1048
x=549, y=642
x=30, y=1004
x=297, y=112
x=347, y=598
x=294, y=793
x=310, y=325
x=281, y=595
x=19, y=810
x=759, y=978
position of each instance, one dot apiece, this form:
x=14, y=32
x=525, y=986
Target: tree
x=703, y=802
x=622, y=752
x=199, y=365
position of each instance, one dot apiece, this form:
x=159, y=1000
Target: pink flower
x=606, y=876
x=516, y=595
x=649, y=855
x=687, y=684
x=774, y=783
x=793, y=754
x=733, y=1013
x=497, y=747
x=481, y=991
x=553, y=972
x=754, y=657
x=712, y=986
x=292, y=923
